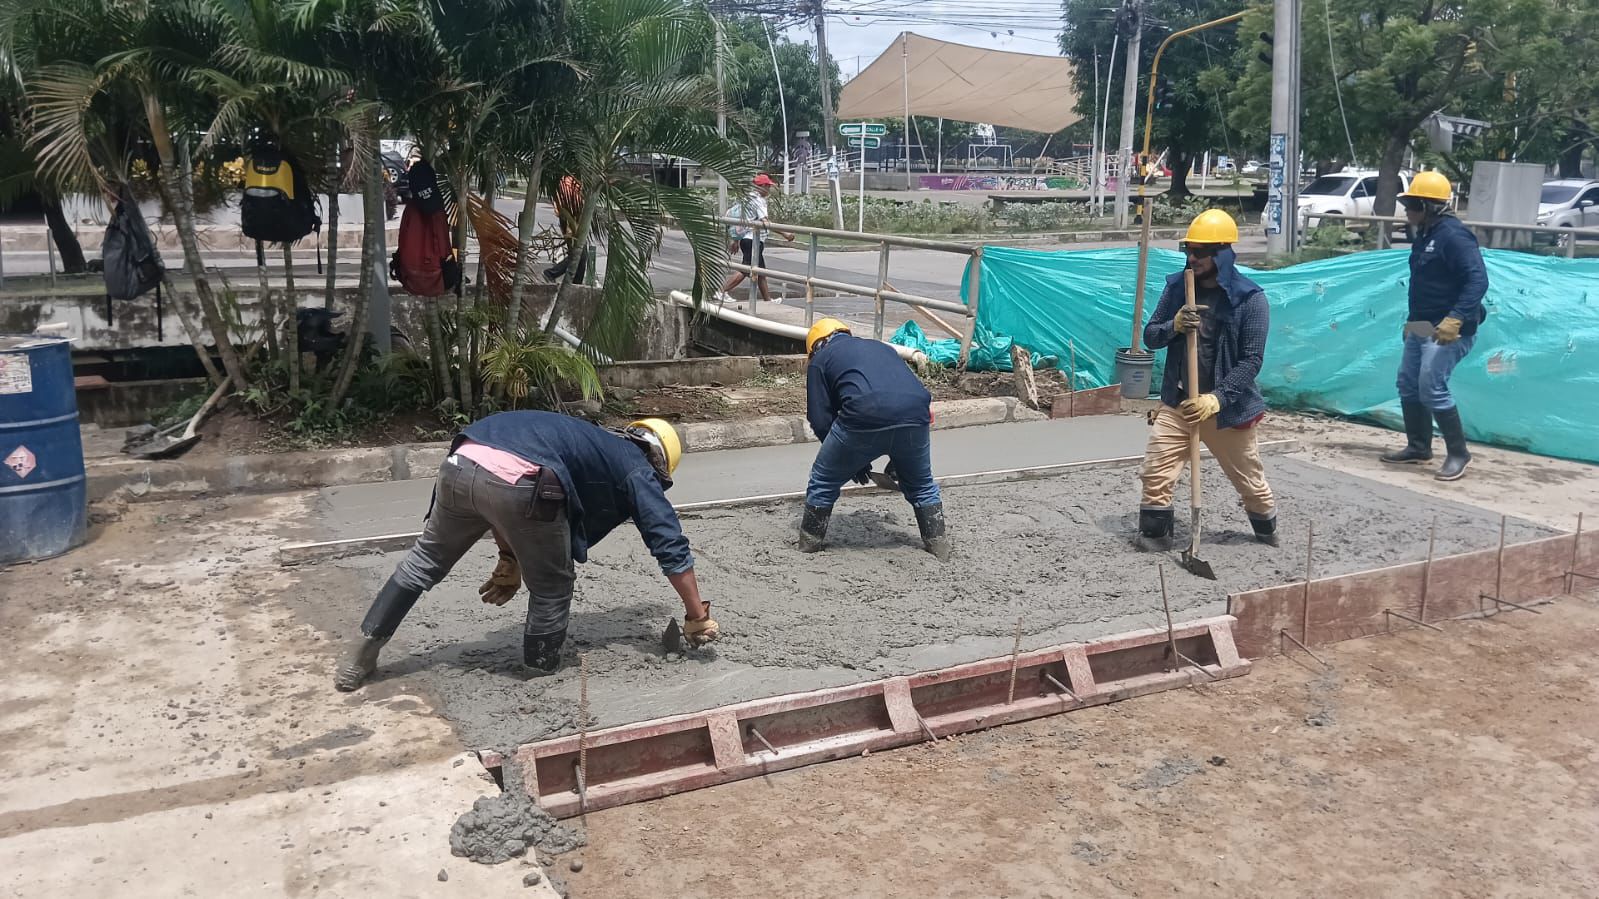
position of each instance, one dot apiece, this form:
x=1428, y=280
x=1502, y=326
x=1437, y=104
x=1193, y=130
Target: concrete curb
x=143, y=480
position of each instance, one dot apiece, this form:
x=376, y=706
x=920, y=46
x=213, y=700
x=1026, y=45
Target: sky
x=859, y=30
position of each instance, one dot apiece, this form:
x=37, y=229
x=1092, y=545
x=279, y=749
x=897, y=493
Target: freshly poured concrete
x=1056, y=552
x=396, y=507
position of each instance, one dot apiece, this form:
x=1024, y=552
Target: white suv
x=1350, y=192
x=1569, y=204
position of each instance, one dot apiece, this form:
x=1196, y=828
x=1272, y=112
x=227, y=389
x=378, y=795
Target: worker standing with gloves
x=1231, y=318
x=863, y=402
x=1447, y=283
x=549, y=487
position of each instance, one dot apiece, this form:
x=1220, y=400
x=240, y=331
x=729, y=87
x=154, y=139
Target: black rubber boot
x=1265, y=529
x=1418, y=428
x=358, y=663
x=542, y=652
x=813, y=528
x=1456, y=456
x=935, y=536
x=1156, y=524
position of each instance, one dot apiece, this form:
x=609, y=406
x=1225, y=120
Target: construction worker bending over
x=864, y=402
x=1231, y=320
x=549, y=487
x=1447, y=284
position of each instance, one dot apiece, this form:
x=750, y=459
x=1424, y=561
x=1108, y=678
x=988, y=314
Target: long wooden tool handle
x=1193, y=390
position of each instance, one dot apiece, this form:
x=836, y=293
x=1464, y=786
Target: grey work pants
x=468, y=500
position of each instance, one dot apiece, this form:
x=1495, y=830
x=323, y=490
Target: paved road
x=366, y=510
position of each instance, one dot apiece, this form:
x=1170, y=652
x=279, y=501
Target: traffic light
x=1265, y=55
x=1162, y=92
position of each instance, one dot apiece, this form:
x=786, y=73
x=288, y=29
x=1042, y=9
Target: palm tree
x=644, y=90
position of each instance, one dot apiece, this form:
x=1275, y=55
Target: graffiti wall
x=999, y=182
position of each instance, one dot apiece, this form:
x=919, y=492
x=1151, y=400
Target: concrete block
x=298, y=471
x=700, y=436
x=422, y=460
x=967, y=413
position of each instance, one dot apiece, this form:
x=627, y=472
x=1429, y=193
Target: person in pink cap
x=753, y=212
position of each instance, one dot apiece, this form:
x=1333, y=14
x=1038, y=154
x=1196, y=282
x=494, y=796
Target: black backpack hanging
x=132, y=265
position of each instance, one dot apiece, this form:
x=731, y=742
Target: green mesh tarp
x=989, y=352
x=1531, y=382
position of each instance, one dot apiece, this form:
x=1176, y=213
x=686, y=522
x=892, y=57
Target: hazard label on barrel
x=22, y=461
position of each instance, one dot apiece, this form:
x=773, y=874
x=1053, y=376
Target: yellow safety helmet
x=1429, y=186
x=822, y=330
x=1213, y=226
x=666, y=436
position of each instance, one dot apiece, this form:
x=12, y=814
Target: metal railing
x=1567, y=237
x=883, y=292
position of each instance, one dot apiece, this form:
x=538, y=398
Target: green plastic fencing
x=1531, y=382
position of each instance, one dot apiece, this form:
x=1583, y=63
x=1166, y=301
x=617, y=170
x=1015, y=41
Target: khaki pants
x=1234, y=449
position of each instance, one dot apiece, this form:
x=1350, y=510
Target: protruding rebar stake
x=1304, y=625
x=1426, y=571
x=757, y=735
x=1411, y=620
x=1284, y=633
x=1015, y=657
x=1171, y=635
x=1061, y=687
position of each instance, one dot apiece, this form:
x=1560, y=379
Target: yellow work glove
x=503, y=583
x=1187, y=319
x=1448, y=330
x=699, y=632
x=1199, y=408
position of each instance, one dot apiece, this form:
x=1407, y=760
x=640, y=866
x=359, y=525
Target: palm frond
x=531, y=361
x=62, y=95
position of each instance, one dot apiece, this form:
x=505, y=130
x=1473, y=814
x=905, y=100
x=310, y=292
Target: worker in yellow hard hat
x=1447, y=283
x=1231, y=320
x=864, y=403
x=548, y=487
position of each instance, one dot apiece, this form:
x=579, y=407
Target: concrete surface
x=1058, y=553
x=366, y=510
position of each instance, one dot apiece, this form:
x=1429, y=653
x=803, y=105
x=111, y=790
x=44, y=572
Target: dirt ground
x=1420, y=764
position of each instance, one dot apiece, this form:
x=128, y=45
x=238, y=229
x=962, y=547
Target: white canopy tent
x=955, y=81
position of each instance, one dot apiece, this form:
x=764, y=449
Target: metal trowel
x=672, y=639
x=886, y=479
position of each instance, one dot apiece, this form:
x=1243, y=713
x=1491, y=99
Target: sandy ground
x=167, y=729
x=1462, y=764
x=1057, y=553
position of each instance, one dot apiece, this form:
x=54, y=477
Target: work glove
x=1199, y=408
x=701, y=631
x=863, y=477
x=1448, y=331
x=503, y=583
x=1187, y=319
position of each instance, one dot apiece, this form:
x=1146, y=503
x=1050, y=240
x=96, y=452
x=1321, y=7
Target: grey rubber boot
x=358, y=663
x=1454, y=467
x=1418, y=428
x=935, y=537
x=813, y=528
x=542, y=652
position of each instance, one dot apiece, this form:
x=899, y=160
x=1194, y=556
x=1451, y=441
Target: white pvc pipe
x=767, y=326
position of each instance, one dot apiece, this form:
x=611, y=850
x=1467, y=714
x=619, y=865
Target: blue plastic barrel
x=43, y=497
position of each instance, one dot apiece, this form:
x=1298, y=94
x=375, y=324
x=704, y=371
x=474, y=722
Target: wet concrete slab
x=1057, y=553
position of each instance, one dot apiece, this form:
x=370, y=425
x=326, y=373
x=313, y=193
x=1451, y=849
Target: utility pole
x=1130, y=25
x=721, y=115
x=1282, y=203
x=822, y=73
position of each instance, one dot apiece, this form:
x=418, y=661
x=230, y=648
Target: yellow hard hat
x=822, y=330
x=1429, y=186
x=1212, y=226
x=671, y=444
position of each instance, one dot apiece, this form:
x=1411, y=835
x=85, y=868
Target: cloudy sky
x=859, y=30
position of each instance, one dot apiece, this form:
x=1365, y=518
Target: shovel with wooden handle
x=1190, y=557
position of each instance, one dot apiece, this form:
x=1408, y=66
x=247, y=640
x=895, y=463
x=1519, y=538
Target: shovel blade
x=1197, y=566
x=885, y=480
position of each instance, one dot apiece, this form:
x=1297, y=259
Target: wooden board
x=1099, y=401
x=1353, y=605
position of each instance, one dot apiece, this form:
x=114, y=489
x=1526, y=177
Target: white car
x=1251, y=167
x=1569, y=204
x=1350, y=192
